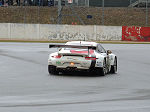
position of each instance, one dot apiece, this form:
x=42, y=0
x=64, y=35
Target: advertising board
x=133, y=33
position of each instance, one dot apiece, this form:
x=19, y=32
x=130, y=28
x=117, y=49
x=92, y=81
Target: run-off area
x=25, y=84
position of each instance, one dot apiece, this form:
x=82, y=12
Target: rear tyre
x=103, y=69
x=52, y=70
x=114, y=67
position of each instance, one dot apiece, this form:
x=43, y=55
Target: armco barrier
x=59, y=32
x=132, y=33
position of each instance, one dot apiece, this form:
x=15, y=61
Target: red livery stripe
x=82, y=52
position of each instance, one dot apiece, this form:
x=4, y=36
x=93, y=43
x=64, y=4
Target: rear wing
x=72, y=46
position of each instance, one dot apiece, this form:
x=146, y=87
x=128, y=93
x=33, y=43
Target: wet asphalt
x=26, y=86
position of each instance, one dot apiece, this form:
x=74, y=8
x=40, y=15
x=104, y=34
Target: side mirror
x=109, y=51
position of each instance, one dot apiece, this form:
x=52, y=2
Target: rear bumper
x=69, y=68
x=75, y=69
x=72, y=69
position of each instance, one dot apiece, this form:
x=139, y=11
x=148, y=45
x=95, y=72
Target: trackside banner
x=133, y=33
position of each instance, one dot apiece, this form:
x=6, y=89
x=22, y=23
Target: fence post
x=130, y=2
x=77, y=2
x=24, y=13
x=146, y=12
x=59, y=12
x=39, y=11
x=88, y=4
x=103, y=12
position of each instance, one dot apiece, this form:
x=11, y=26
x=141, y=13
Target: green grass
x=57, y=41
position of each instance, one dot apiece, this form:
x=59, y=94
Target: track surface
x=26, y=86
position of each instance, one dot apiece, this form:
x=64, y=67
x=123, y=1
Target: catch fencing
x=83, y=12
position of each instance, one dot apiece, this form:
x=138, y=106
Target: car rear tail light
x=57, y=56
x=90, y=58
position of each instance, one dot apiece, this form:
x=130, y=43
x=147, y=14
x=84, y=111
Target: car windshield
x=75, y=49
x=83, y=44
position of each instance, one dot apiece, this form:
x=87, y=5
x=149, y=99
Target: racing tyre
x=114, y=67
x=52, y=70
x=103, y=70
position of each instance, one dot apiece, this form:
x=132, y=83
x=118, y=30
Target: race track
x=26, y=86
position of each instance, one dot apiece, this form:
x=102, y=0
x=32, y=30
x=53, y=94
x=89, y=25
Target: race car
x=81, y=56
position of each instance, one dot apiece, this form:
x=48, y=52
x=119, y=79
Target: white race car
x=82, y=56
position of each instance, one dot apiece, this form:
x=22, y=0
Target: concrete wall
x=59, y=32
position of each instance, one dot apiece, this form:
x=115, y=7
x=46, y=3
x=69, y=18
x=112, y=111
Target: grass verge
x=64, y=41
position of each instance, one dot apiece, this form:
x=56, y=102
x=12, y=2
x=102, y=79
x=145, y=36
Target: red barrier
x=132, y=33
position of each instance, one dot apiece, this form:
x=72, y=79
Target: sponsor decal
x=99, y=64
x=58, y=63
x=71, y=58
x=133, y=33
